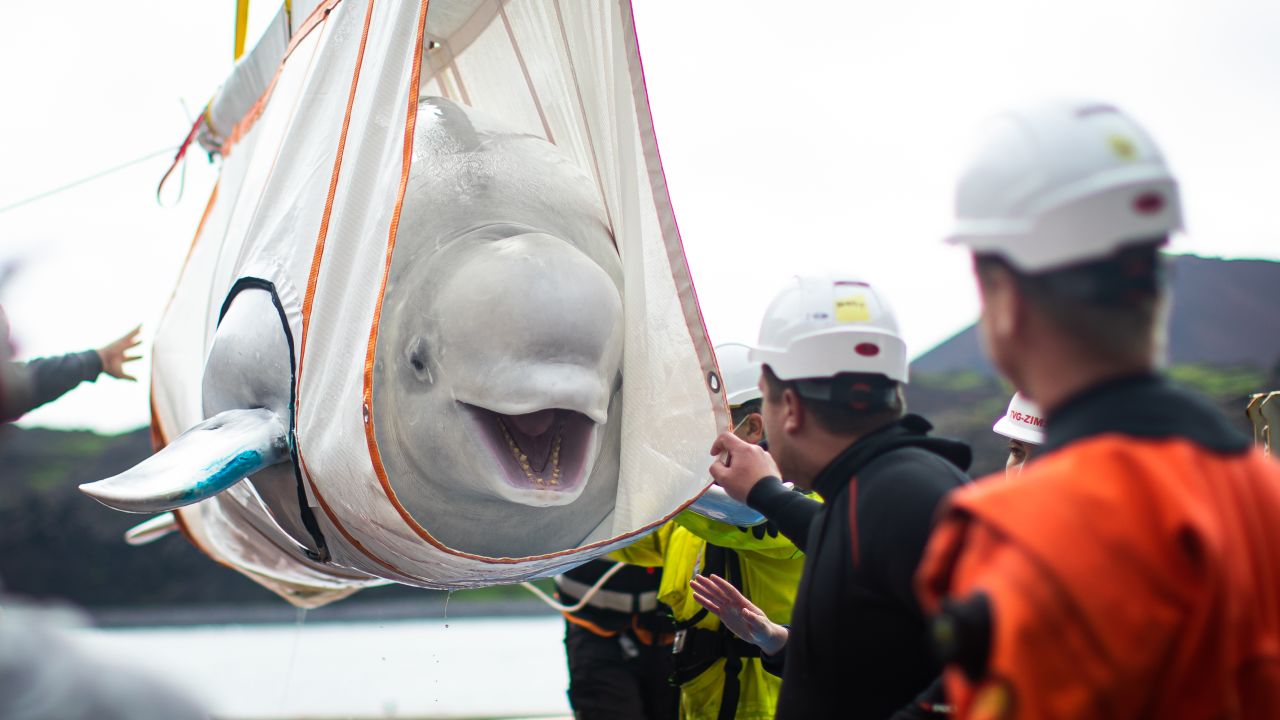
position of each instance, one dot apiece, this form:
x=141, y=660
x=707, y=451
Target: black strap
x=308, y=515
x=732, y=687
x=703, y=647
x=732, y=568
x=687, y=624
x=716, y=564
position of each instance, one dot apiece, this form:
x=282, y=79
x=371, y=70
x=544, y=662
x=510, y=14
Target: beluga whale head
x=497, y=376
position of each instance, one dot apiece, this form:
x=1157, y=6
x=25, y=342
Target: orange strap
x=594, y=628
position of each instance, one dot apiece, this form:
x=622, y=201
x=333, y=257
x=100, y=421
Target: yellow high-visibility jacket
x=771, y=567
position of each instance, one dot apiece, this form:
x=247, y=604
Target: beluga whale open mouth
x=541, y=454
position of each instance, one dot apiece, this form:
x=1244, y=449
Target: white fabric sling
x=313, y=178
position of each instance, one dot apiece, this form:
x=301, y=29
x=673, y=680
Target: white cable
x=586, y=597
x=83, y=180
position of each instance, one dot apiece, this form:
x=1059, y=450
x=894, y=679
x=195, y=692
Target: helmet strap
x=862, y=392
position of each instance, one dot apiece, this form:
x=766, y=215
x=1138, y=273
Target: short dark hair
x=1111, y=307
x=840, y=417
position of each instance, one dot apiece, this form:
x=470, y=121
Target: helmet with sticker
x=823, y=326
x=1063, y=183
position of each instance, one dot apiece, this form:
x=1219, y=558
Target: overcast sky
x=796, y=137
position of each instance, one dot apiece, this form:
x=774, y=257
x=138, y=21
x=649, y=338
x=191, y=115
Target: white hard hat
x=741, y=375
x=1022, y=421
x=821, y=326
x=1062, y=183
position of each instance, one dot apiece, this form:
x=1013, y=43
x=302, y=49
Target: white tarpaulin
x=316, y=201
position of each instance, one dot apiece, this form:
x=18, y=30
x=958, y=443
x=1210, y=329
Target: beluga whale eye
x=416, y=354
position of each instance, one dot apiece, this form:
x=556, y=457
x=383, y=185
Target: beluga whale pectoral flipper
x=202, y=462
x=247, y=432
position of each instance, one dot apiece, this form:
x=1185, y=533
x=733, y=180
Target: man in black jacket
x=834, y=367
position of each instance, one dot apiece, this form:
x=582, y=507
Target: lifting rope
x=89, y=178
x=586, y=597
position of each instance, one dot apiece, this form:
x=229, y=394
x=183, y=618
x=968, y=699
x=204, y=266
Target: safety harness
x=697, y=649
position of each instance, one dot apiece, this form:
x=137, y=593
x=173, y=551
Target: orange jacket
x=1132, y=571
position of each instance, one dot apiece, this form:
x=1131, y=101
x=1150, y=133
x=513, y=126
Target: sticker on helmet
x=1123, y=147
x=852, y=308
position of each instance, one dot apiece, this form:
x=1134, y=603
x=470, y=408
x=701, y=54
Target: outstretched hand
x=738, y=613
x=743, y=466
x=114, y=355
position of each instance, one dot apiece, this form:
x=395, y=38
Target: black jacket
x=46, y=379
x=858, y=646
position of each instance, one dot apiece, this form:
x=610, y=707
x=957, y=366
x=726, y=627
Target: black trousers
x=619, y=678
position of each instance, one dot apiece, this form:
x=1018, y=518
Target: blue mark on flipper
x=224, y=474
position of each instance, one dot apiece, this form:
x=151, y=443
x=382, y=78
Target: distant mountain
x=1225, y=313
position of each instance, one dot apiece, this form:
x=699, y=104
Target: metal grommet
x=713, y=381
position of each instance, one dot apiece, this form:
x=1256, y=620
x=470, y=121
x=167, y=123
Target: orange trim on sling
x=309, y=297
x=411, y=121
x=333, y=518
x=313, y=277
x=250, y=118
x=158, y=440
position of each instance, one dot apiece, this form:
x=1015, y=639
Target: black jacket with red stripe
x=859, y=646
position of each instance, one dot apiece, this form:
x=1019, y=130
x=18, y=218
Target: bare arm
x=739, y=614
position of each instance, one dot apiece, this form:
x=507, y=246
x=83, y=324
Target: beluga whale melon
x=436, y=326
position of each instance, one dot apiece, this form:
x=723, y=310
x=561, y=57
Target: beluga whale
x=497, y=386
x=436, y=326
x=499, y=379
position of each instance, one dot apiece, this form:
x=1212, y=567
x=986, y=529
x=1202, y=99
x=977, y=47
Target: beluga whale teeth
x=544, y=468
x=546, y=450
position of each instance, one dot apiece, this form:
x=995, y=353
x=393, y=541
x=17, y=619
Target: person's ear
x=1000, y=302
x=793, y=415
x=1004, y=314
x=755, y=428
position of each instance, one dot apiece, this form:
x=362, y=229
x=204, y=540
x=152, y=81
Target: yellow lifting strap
x=242, y=25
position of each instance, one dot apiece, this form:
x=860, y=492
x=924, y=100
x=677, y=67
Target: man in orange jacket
x=1133, y=569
